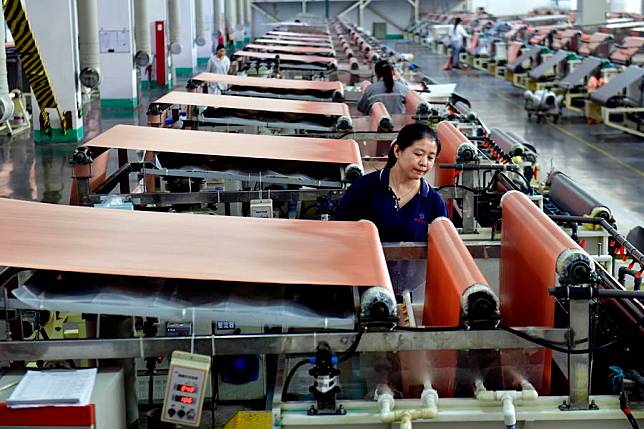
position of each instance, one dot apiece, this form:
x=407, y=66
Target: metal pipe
x=174, y=16
x=88, y=43
x=143, y=55
x=119, y=348
x=6, y=103
x=202, y=34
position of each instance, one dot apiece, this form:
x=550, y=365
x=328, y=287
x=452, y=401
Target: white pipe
x=506, y=398
x=386, y=403
x=174, y=16
x=88, y=43
x=142, y=32
x=202, y=34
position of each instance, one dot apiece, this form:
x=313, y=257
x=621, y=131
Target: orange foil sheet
x=254, y=103
x=530, y=246
x=189, y=246
x=232, y=145
x=288, y=57
x=412, y=99
x=306, y=50
x=380, y=117
x=450, y=271
x=229, y=79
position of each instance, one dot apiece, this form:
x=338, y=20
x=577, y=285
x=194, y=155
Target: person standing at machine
x=391, y=92
x=456, y=36
x=218, y=63
x=398, y=199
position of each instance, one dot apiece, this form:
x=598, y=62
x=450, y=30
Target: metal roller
x=535, y=254
x=455, y=147
x=353, y=63
x=464, y=110
x=507, y=143
x=569, y=196
x=380, y=118
x=416, y=104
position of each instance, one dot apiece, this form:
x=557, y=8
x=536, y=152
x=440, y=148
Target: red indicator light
x=186, y=400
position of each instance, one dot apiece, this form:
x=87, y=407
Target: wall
x=510, y=7
x=400, y=12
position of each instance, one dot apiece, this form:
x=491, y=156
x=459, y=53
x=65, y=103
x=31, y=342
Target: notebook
x=54, y=388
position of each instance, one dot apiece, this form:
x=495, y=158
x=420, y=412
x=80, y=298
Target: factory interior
x=216, y=191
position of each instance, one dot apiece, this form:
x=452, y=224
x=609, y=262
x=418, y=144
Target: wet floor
x=607, y=163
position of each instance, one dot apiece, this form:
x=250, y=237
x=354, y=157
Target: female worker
x=220, y=64
x=391, y=92
x=397, y=199
x=455, y=35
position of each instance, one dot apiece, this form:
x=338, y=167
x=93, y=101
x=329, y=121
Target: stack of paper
x=58, y=388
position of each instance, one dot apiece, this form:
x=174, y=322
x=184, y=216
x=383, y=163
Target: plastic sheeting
x=184, y=300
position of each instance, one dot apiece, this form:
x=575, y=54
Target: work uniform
x=371, y=198
x=456, y=36
x=394, y=101
x=219, y=66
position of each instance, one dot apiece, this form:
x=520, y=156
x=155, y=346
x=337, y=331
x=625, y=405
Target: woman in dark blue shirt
x=397, y=199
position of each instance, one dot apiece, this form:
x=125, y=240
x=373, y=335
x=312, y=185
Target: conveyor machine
x=292, y=89
x=183, y=170
x=318, y=43
x=294, y=50
x=232, y=111
x=287, y=65
x=621, y=101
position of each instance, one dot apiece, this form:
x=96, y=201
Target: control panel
x=186, y=388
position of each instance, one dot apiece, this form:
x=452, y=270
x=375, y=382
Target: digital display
x=186, y=388
x=184, y=399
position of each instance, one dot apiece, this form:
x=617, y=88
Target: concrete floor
x=608, y=163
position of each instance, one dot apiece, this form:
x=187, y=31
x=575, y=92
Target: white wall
x=118, y=79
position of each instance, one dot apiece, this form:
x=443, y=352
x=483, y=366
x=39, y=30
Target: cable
x=287, y=382
x=550, y=345
x=627, y=411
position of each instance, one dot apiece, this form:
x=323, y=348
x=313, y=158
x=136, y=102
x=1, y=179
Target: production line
x=519, y=319
x=184, y=169
x=291, y=89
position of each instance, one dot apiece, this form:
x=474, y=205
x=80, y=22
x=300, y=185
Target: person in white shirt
x=456, y=34
x=218, y=63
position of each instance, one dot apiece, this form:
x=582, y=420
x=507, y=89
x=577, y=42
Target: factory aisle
x=607, y=163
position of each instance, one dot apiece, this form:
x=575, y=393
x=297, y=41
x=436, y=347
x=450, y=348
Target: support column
x=218, y=19
x=186, y=61
x=116, y=25
x=360, y=14
x=204, y=51
x=88, y=42
x=231, y=20
x=249, y=18
x=240, y=34
x=591, y=12
x=58, y=46
x=417, y=11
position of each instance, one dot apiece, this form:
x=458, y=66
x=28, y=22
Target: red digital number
x=186, y=400
x=187, y=388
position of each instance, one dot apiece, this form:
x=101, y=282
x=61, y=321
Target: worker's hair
x=457, y=21
x=383, y=70
x=220, y=47
x=408, y=135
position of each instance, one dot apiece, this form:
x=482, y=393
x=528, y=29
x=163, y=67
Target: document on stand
x=57, y=388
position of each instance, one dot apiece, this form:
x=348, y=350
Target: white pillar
x=203, y=52
x=58, y=46
x=186, y=62
x=231, y=17
x=115, y=23
x=591, y=12
x=249, y=18
x=218, y=17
